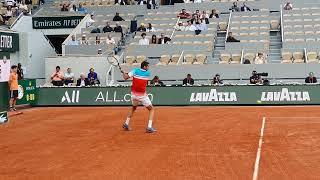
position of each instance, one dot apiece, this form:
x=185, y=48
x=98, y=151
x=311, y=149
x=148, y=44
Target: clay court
x=191, y=143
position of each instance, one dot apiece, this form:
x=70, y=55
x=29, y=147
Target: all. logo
x=20, y=92
x=72, y=97
x=3, y=117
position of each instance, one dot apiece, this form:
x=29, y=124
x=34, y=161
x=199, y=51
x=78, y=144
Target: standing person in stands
x=20, y=72
x=13, y=85
x=311, y=78
x=117, y=17
x=184, y=14
x=139, y=95
x=163, y=39
x=57, y=77
x=188, y=80
x=214, y=14
x=230, y=38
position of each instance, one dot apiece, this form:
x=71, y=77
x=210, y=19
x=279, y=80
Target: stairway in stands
x=218, y=46
x=275, y=47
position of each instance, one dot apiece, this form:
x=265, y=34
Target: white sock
x=150, y=123
x=127, y=121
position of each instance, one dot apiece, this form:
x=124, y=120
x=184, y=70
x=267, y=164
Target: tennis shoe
x=126, y=127
x=150, y=130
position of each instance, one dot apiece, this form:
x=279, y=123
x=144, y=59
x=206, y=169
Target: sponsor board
x=71, y=97
x=4, y=117
x=56, y=22
x=285, y=95
x=213, y=96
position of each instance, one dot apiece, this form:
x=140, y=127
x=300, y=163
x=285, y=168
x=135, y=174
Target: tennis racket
x=115, y=62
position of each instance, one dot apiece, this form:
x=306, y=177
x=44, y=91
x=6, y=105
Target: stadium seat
x=164, y=60
x=274, y=24
x=312, y=57
x=188, y=59
x=249, y=56
x=130, y=60
x=298, y=57
x=225, y=58
x=286, y=57
x=223, y=26
x=235, y=58
x=200, y=59
x=174, y=59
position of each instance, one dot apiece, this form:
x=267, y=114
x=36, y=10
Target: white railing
x=305, y=55
x=181, y=57
x=228, y=26
x=15, y=21
x=242, y=54
x=281, y=22
x=174, y=29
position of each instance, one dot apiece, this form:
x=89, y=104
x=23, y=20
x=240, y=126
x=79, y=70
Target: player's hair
x=14, y=66
x=144, y=63
x=58, y=67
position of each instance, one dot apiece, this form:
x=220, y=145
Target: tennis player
x=138, y=94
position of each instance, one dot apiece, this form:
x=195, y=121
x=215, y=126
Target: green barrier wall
x=196, y=95
x=4, y=96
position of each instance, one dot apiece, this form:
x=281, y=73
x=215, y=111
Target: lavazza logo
x=72, y=97
x=285, y=95
x=213, y=95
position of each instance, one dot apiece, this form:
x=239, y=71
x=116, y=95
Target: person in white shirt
x=110, y=40
x=73, y=41
x=187, y=26
x=90, y=21
x=144, y=40
x=150, y=28
x=83, y=81
x=260, y=59
x=23, y=7
x=5, y=67
x=68, y=77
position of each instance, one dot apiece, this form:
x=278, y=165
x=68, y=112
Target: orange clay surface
x=191, y=143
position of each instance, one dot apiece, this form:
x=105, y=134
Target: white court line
x=294, y=117
x=256, y=165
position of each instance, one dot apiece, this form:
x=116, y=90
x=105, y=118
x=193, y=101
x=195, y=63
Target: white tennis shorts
x=144, y=100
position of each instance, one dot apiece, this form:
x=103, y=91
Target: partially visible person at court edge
x=4, y=69
x=57, y=77
x=68, y=77
x=93, y=77
x=20, y=72
x=83, y=81
x=13, y=85
x=311, y=78
x=156, y=81
x=188, y=80
x=255, y=78
x=216, y=80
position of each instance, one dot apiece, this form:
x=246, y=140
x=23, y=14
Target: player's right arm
x=127, y=76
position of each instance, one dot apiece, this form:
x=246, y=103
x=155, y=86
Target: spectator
x=57, y=77
x=118, y=18
x=83, y=81
x=84, y=40
x=20, y=72
x=199, y=27
x=73, y=9
x=90, y=21
x=156, y=82
x=255, y=78
x=142, y=28
x=110, y=40
x=150, y=28
x=196, y=14
x=93, y=77
x=204, y=16
x=216, y=80
x=24, y=8
x=68, y=77
x=245, y=7
x=118, y=28
x=260, y=59
x=144, y=40
x=29, y=4
x=9, y=3
x=189, y=26
x=163, y=39
x=151, y=4
x=107, y=28
x=98, y=40
x=154, y=39
x=82, y=9
x=184, y=14
x=73, y=41
x=64, y=8
x=95, y=30
x=311, y=78
x=288, y=6
x=231, y=38
x=214, y=13
x=188, y=80
x=234, y=7
x=7, y=15
x=121, y=2
x=179, y=26
x=13, y=86
x=99, y=51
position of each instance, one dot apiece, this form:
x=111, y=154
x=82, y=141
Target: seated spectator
x=200, y=27
x=288, y=6
x=83, y=81
x=24, y=8
x=118, y=18
x=90, y=21
x=73, y=41
x=205, y=17
x=150, y=28
x=260, y=59
x=107, y=28
x=184, y=14
x=68, y=77
x=93, y=77
x=8, y=14
x=214, y=14
x=29, y=4
x=110, y=40
x=95, y=30
x=245, y=7
x=20, y=72
x=216, y=80
x=156, y=81
x=188, y=80
x=98, y=40
x=9, y=3
x=151, y=4
x=144, y=40
x=194, y=19
x=73, y=8
x=121, y=2
x=231, y=38
x=118, y=28
x=82, y=9
x=84, y=40
x=142, y=28
x=189, y=27
x=154, y=39
x=196, y=13
x=179, y=26
x=163, y=39
x=57, y=77
x=234, y=7
x=311, y=78
x=64, y=8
